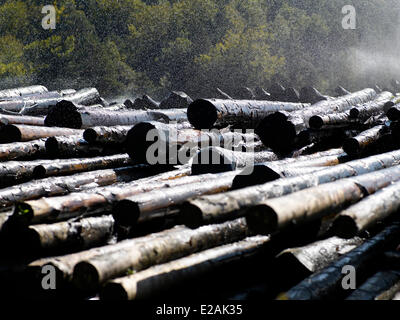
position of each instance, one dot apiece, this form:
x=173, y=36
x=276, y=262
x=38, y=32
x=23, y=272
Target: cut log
x=66, y=114
x=209, y=113
x=153, y=280
x=227, y=205
x=279, y=130
x=331, y=120
x=378, y=284
x=23, y=150
x=106, y=135
x=368, y=212
x=127, y=212
x=62, y=185
x=304, y=206
x=176, y=99
x=89, y=274
x=70, y=235
x=375, y=107
x=172, y=145
x=71, y=166
x=360, y=143
x=327, y=283
x=17, y=119
x=216, y=159
x=21, y=133
x=16, y=92
x=102, y=199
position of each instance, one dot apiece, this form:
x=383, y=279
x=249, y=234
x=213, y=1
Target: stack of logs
x=311, y=188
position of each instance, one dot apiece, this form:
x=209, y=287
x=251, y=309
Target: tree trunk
x=23, y=150
x=15, y=119
x=224, y=206
x=327, y=283
x=210, y=113
x=280, y=129
x=22, y=133
x=153, y=280
x=314, y=203
x=368, y=212
x=71, y=166
x=89, y=274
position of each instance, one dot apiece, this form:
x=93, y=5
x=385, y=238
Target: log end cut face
x=344, y=227
x=10, y=133
x=137, y=142
x=64, y=114
x=202, y=114
x=316, y=122
x=262, y=219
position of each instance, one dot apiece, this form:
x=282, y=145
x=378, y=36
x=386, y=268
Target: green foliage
x=154, y=46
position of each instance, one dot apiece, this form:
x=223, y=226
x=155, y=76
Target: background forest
x=136, y=46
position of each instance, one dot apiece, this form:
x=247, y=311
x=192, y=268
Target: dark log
x=106, y=135
x=66, y=114
x=209, y=113
x=63, y=185
x=261, y=94
x=70, y=235
x=145, y=102
x=138, y=255
x=368, y=212
x=277, y=92
x=17, y=119
x=311, y=95
x=71, y=166
x=327, y=283
x=16, y=92
x=151, y=281
x=279, y=130
x=127, y=212
x=21, y=133
x=176, y=145
x=23, y=150
x=291, y=95
x=229, y=204
x=331, y=120
x=358, y=144
x=340, y=91
x=394, y=113
x=176, y=99
x=216, y=159
x=377, y=285
x=314, y=203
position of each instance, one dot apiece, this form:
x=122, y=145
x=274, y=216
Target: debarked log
x=153, y=280
x=279, y=130
x=331, y=120
x=224, y=206
x=209, y=113
x=22, y=91
x=307, y=205
x=71, y=166
x=327, y=283
x=21, y=133
x=368, y=212
x=372, y=108
x=89, y=274
x=23, y=150
x=71, y=116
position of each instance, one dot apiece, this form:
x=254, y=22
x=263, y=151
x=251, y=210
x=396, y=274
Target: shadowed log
x=327, y=283
x=227, y=205
x=358, y=144
x=372, y=108
x=311, y=95
x=368, y=212
x=23, y=150
x=176, y=99
x=158, y=278
x=17, y=119
x=89, y=274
